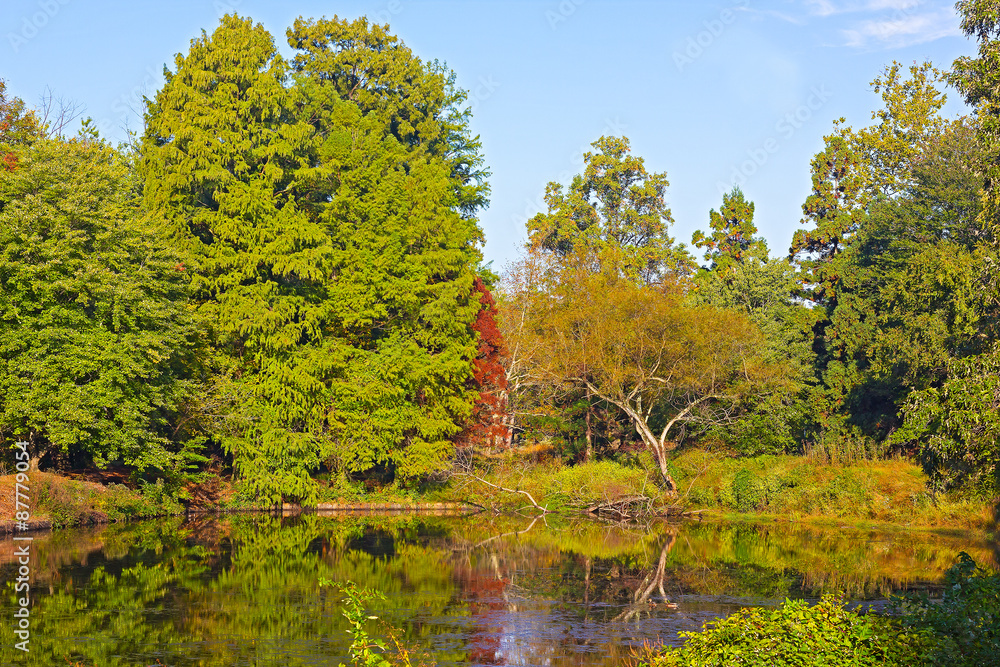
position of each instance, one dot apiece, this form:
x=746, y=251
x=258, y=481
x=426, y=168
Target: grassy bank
x=788, y=487
x=794, y=488
x=57, y=501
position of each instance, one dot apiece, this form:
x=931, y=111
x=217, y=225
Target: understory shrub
x=119, y=502
x=595, y=482
x=796, y=634
x=555, y=485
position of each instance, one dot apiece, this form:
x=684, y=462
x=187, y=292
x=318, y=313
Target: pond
x=479, y=590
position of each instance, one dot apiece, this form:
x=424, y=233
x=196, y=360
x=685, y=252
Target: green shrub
x=597, y=481
x=340, y=488
x=749, y=491
x=120, y=503
x=367, y=650
x=966, y=624
x=823, y=635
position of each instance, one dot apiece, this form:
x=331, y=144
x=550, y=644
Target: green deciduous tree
x=958, y=425
x=93, y=326
x=978, y=79
x=915, y=280
x=889, y=260
x=908, y=120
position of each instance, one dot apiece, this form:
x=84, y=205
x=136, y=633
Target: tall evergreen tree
x=396, y=186
x=219, y=155
x=330, y=230
x=836, y=210
x=733, y=239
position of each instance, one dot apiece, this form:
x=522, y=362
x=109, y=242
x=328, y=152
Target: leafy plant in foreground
x=966, y=624
x=368, y=651
x=796, y=634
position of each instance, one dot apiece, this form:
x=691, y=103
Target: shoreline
x=459, y=509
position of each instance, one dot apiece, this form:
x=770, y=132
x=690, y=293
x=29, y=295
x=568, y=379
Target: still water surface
x=481, y=590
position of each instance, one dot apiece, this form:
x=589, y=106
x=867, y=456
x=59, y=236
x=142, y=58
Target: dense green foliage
x=963, y=626
x=282, y=280
x=876, y=327
x=328, y=226
x=958, y=631
x=797, y=634
x=743, y=278
x=93, y=329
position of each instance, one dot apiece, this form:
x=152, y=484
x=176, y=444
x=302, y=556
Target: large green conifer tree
x=219, y=153
x=331, y=236
x=396, y=187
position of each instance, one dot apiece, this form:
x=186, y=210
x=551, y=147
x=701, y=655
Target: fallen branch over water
x=630, y=508
x=534, y=503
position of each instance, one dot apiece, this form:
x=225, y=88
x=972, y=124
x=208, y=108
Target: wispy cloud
x=881, y=5
x=898, y=32
x=821, y=7
x=781, y=16
x=829, y=8
x=889, y=23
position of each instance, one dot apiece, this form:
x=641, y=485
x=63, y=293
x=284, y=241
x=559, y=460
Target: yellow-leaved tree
x=598, y=305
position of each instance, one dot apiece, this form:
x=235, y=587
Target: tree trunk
x=661, y=460
x=659, y=453
x=590, y=435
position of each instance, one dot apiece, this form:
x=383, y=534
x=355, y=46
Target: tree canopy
x=94, y=335
x=327, y=208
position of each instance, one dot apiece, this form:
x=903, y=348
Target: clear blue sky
x=710, y=92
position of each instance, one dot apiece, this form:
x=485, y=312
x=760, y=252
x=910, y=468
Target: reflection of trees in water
x=467, y=586
x=650, y=583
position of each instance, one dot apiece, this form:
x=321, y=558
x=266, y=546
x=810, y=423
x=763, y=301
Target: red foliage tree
x=489, y=425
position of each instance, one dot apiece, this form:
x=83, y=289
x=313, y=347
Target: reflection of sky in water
x=519, y=631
